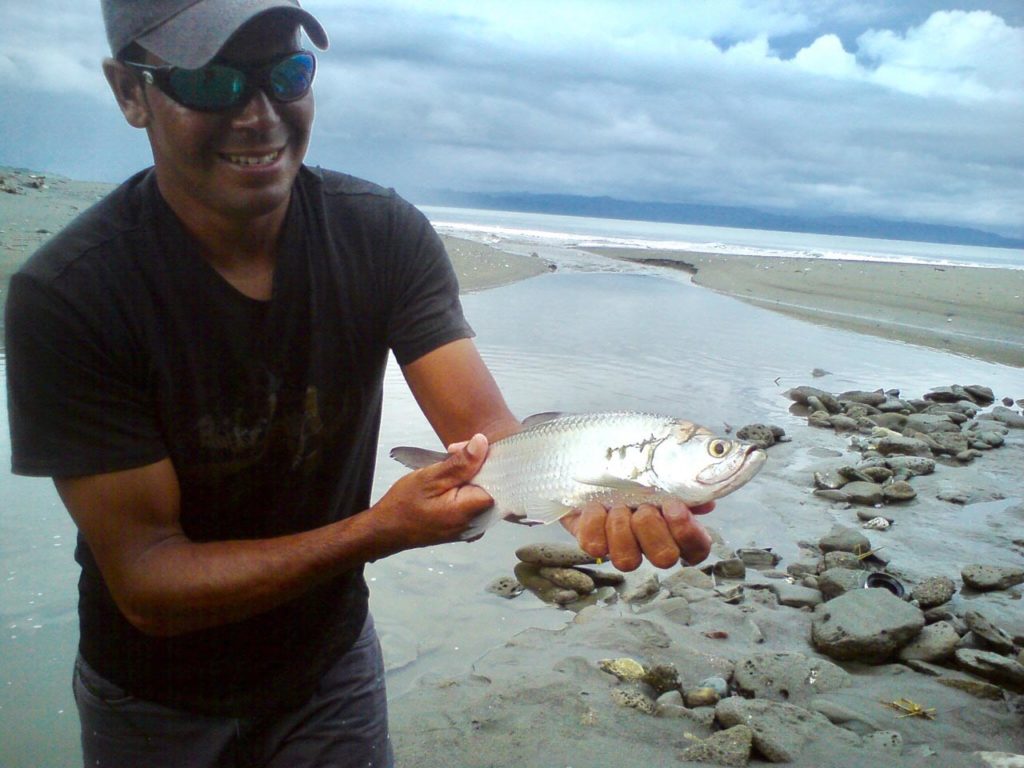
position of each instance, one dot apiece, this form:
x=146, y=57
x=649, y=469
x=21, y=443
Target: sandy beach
x=969, y=311
x=542, y=697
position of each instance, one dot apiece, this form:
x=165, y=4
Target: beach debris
x=877, y=524
x=560, y=462
x=910, y=708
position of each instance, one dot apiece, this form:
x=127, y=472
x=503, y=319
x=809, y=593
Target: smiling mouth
x=249, y=161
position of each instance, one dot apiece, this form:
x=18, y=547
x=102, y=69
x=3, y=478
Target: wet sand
x=968, y=311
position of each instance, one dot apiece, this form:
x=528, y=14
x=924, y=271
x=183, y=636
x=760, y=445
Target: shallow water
x=575, y=340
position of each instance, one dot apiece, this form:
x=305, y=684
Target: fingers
x=653, y=535
x=590, y=529
x=463, y=462
x=623, y=547
x=694, y=542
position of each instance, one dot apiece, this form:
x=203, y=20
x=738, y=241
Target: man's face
x=236, y=165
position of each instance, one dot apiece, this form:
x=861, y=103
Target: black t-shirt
x=124, y=346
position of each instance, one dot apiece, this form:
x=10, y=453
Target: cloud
x=832, y=106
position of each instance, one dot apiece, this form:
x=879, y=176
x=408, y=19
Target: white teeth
x=252, y=160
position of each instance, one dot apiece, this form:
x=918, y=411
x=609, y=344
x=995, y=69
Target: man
x=197, y=362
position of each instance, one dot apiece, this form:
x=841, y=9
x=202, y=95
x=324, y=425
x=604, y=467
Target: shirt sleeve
x=76, y=395
x=425, y=311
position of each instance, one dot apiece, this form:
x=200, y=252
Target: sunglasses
x=218, y=87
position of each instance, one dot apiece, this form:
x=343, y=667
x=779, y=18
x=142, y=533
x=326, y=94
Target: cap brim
x=193, y=37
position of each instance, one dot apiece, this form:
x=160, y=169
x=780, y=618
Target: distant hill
x=719, y=216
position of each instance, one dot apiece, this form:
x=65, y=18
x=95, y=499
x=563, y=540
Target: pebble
x=753, y=557
x=933, y=592
x=554, y=555
x=506, y=586
x=936, y=642
x=843, y=539
x=897, y=491
x=701, y=697
x=730, y=569
x=569, y=578
x=864, y=492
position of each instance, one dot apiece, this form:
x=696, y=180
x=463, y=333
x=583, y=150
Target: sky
x=903, y=110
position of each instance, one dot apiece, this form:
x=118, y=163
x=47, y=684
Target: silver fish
x=559, y=462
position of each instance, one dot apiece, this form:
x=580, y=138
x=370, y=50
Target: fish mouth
x=746, y=465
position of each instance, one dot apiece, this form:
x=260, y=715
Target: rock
x=554, y=555
x=760, y=435
x=758, y=558
x=930, y=423
x=730, y=569
x=820, y=419
x=838, y=581
x=867, y=398
x=782, y=730
x=988, y=578
x=935, y=643
x=867, y=625
x=786, y=676
x=1005, y=416
x=981, y=395
x=987, y=439
x=902, y=446
x=795, y=595
x=730, y=594
x=730, y=747
x=718, y=684
x=626, y=669
x=686, y=578
x=669, y=699
x=989, y=636
x=842, y=423
x=824, y=481
x=841, y=559
x=992, y=667
x=933, y=591
x=898, y=491
x=944, y=443
x=644, y=589
x=862, y=492
x=633, y=699
x=506, y=586
x=569, y=578
x=806, y=395
x=842, y=715
x=832, y=495
x=564, y=596
x=843, y=539
x=910, y=466
x=877, y=473
x=603, y=578
x=701, y=697
x=663, y=678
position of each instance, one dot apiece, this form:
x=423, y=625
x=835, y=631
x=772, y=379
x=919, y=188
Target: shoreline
x=973, y=311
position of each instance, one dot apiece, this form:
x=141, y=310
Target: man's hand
x=435, y=504
x=626, y=536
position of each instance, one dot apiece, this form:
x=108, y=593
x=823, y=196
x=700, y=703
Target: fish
x=559, y=462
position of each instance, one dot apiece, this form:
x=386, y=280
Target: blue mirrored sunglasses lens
x=212, y=87
x=292, y=77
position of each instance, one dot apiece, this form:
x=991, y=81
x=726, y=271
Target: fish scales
x=560, y=462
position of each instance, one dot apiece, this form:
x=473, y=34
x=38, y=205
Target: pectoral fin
x=615, y=483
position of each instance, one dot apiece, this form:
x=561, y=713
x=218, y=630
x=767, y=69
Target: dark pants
x=345, y=723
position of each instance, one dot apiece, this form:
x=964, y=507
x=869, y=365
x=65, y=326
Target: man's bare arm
x=167, y=584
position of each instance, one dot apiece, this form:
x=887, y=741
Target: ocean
x=496, y=227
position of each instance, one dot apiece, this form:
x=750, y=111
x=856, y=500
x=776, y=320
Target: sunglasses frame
x=256, y=76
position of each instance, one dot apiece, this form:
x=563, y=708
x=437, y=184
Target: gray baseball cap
x=188, y=33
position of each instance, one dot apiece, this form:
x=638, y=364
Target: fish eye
x=718, y=448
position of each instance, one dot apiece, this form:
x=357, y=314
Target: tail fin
x=416, y=458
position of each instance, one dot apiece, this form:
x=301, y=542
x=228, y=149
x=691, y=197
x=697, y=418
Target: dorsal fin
x=416, y=458
x=541, y=418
